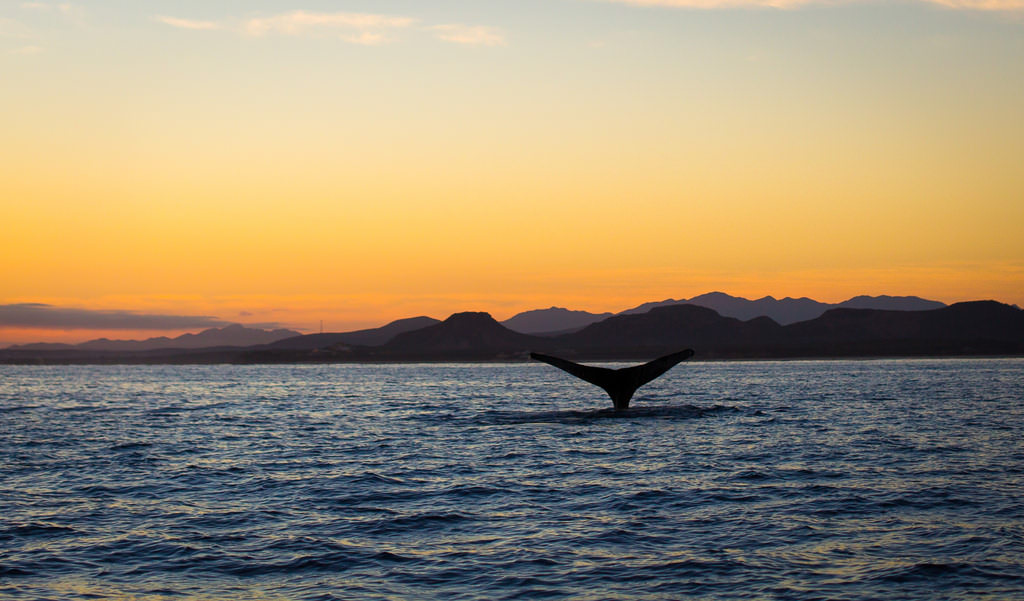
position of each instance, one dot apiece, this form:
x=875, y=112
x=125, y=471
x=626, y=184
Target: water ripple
x=793, y=480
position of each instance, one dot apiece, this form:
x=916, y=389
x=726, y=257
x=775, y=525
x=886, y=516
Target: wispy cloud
x=993, y=5
x=26, y=50
x=366, y=38
x=471, y=35
x=47, y=16
x=709, y=4
x=43, y=316
x=9, y=28
x=979, y=5
x=71, y=10
x=187, y=23
x=367, y=29
x=358, y=28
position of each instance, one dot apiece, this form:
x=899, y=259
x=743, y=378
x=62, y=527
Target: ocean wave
x=472, y=483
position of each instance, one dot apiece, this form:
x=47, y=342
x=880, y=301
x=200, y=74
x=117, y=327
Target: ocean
x=840, y=480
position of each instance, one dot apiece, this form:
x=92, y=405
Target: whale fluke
x=620, y=384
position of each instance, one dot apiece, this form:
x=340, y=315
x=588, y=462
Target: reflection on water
x=580, y=416
x=773, y=480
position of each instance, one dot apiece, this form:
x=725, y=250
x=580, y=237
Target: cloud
x=708, y=4
x=366, y=38
x=355, y=28
x=980, y=5
x=70, y=10
x=43, y=316
x=359, y=28
x=9, y=28
x=471, y=35
x=993, y=5
x=65, y=8
x=26, y=50
x=187, y=23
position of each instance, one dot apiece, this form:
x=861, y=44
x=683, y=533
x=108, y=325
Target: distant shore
x=973, y=329
x=192, y=359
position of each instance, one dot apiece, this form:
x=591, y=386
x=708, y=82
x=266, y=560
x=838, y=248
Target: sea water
x=882, y=479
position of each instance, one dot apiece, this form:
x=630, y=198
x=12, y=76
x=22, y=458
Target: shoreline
x=128, y=361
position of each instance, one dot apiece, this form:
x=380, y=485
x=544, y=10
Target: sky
x=167, y=166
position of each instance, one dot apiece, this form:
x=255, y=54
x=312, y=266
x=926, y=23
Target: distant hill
x=785, y=311
x=890, y=303
x=42, y=346
x=368, y=337
x=667, y=329
x=554, y=319
x=982, y=327
x=789, y=310
x=644, y=308
x=979, y=327
x=461, y=335
x=233, y=335
x=963, y=329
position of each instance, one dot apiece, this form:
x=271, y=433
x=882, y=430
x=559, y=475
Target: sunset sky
x=281, y=163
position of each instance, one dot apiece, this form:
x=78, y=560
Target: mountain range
x=557, y=320
x=554, y=319
x=551, y=321
x=791, y=310
x=980, y=327
x=232, y=335
x=368, y=337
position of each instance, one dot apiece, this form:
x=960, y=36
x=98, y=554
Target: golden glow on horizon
x=299, y=179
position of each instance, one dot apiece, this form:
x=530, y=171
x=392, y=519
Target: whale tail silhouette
x=620, y=384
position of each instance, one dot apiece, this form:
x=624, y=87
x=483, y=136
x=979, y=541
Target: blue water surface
x=838, y=480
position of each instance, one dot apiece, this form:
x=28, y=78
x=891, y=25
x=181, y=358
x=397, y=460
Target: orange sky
x=359, y=166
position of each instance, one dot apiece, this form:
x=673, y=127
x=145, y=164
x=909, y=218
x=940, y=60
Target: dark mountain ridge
x=789, y=310
x=232, y=335
x=981, y=327
x=666, y=329
x=890, y=303
x=971, y=328
x=553, y=319
x=463, y=335
x=976, y=327
x=367, y=337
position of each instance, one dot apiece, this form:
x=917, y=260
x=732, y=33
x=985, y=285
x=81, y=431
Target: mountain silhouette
x=784, y=311
x=982, y=327
x=232, y=335
x=368, y=337
x=890, y=303
x=553, y=319
x=470, y=334
x=666, y=329
x=789, y=310
x=970, y=328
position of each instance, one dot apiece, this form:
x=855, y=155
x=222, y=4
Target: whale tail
x=620, y=384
